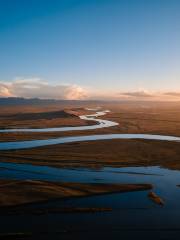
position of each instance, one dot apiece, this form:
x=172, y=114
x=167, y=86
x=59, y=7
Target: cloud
x=150, y=96
x=172, y=94
x=4, y=91
x=139, y=94
x=36, y=88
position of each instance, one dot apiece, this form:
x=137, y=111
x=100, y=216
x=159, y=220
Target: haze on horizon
x=90, y=49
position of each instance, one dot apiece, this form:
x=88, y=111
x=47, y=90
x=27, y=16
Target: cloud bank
x=151, y=96
x=35, y=88
x=137, y=94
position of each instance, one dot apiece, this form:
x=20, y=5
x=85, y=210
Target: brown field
x=13, y=193
x=153, y=118
x=97, y=154
x=34, y=119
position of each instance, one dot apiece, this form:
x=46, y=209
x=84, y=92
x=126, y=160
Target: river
x=134, y=215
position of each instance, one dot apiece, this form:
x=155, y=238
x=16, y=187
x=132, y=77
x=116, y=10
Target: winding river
x=101, y=123
x=133, y=215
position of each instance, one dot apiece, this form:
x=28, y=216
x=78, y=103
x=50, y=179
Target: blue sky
x=106, y=45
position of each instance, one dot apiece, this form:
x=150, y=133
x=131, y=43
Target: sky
x=90, y=49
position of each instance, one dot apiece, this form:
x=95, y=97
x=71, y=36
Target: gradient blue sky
x=122, y=45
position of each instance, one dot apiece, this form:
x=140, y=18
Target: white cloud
x=34, y=87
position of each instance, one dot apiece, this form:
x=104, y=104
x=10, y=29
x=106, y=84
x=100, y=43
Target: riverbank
x=97, y=154
x=46, y=119
x=139, y=118
x=14, y=192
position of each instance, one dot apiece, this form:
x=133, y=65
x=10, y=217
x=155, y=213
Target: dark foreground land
x=15, y=193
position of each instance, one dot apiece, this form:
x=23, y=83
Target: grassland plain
x=152, y=118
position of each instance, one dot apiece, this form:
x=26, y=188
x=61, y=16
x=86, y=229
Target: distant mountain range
x=34, y=101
